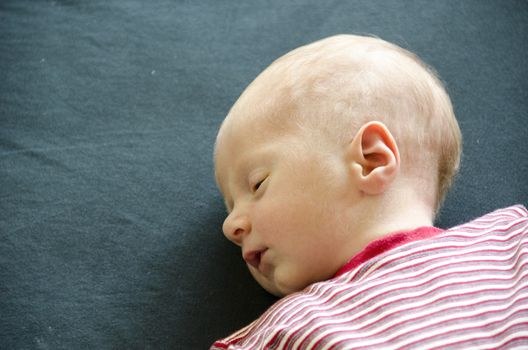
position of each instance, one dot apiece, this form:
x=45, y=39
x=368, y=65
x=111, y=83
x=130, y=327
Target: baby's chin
x=276, y=285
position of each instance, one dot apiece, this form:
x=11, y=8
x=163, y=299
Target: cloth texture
x=465, y=288
x=110, y=219
x=387, y=243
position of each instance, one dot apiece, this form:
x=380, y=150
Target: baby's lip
x=254, y=257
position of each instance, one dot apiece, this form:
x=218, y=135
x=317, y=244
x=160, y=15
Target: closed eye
x=257, y=185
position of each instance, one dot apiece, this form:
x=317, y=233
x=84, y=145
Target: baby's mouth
x=254, y=257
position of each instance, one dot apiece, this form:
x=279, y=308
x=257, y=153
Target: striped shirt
x=463, y=288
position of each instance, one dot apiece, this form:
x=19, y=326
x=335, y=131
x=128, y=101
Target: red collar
x=387, y=243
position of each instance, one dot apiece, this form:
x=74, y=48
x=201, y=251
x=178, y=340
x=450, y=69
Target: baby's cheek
x=278, y=219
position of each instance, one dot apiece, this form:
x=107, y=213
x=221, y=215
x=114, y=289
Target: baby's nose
x=236, y=228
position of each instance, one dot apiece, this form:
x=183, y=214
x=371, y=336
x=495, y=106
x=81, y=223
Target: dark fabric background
x=110, y=222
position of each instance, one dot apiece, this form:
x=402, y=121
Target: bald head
x=328, y=89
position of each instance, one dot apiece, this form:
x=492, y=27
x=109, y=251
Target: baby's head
x=335, y=144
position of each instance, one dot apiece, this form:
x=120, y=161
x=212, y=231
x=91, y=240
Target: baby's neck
x=407, y=218
x=399, y=211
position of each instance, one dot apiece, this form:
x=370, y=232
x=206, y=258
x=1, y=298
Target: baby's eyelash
x=256, y=186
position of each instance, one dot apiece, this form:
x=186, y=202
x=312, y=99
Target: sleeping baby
x=333, y=164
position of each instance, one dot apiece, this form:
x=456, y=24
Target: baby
x=333, y=164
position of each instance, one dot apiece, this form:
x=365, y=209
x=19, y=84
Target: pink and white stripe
x=466, y=287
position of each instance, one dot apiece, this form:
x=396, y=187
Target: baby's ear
x=374, y=158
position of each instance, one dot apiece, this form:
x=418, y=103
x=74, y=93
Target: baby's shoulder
x=504, y=219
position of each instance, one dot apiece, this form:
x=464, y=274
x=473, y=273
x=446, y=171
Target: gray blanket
x=110, y=221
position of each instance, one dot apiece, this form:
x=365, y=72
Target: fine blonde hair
x=335, y=85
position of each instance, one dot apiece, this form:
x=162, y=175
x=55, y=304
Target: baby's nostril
x=238, y=232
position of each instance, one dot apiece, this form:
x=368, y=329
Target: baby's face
x=286, y=203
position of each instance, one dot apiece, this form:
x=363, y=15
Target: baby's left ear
x=374, y=158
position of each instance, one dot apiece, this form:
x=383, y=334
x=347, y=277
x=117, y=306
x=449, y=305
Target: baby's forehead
x=236, y=134
x=240, y=145
x=240, y=132
x=264, y=110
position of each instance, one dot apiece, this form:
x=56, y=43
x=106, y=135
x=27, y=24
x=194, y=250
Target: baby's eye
x=257, y=185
